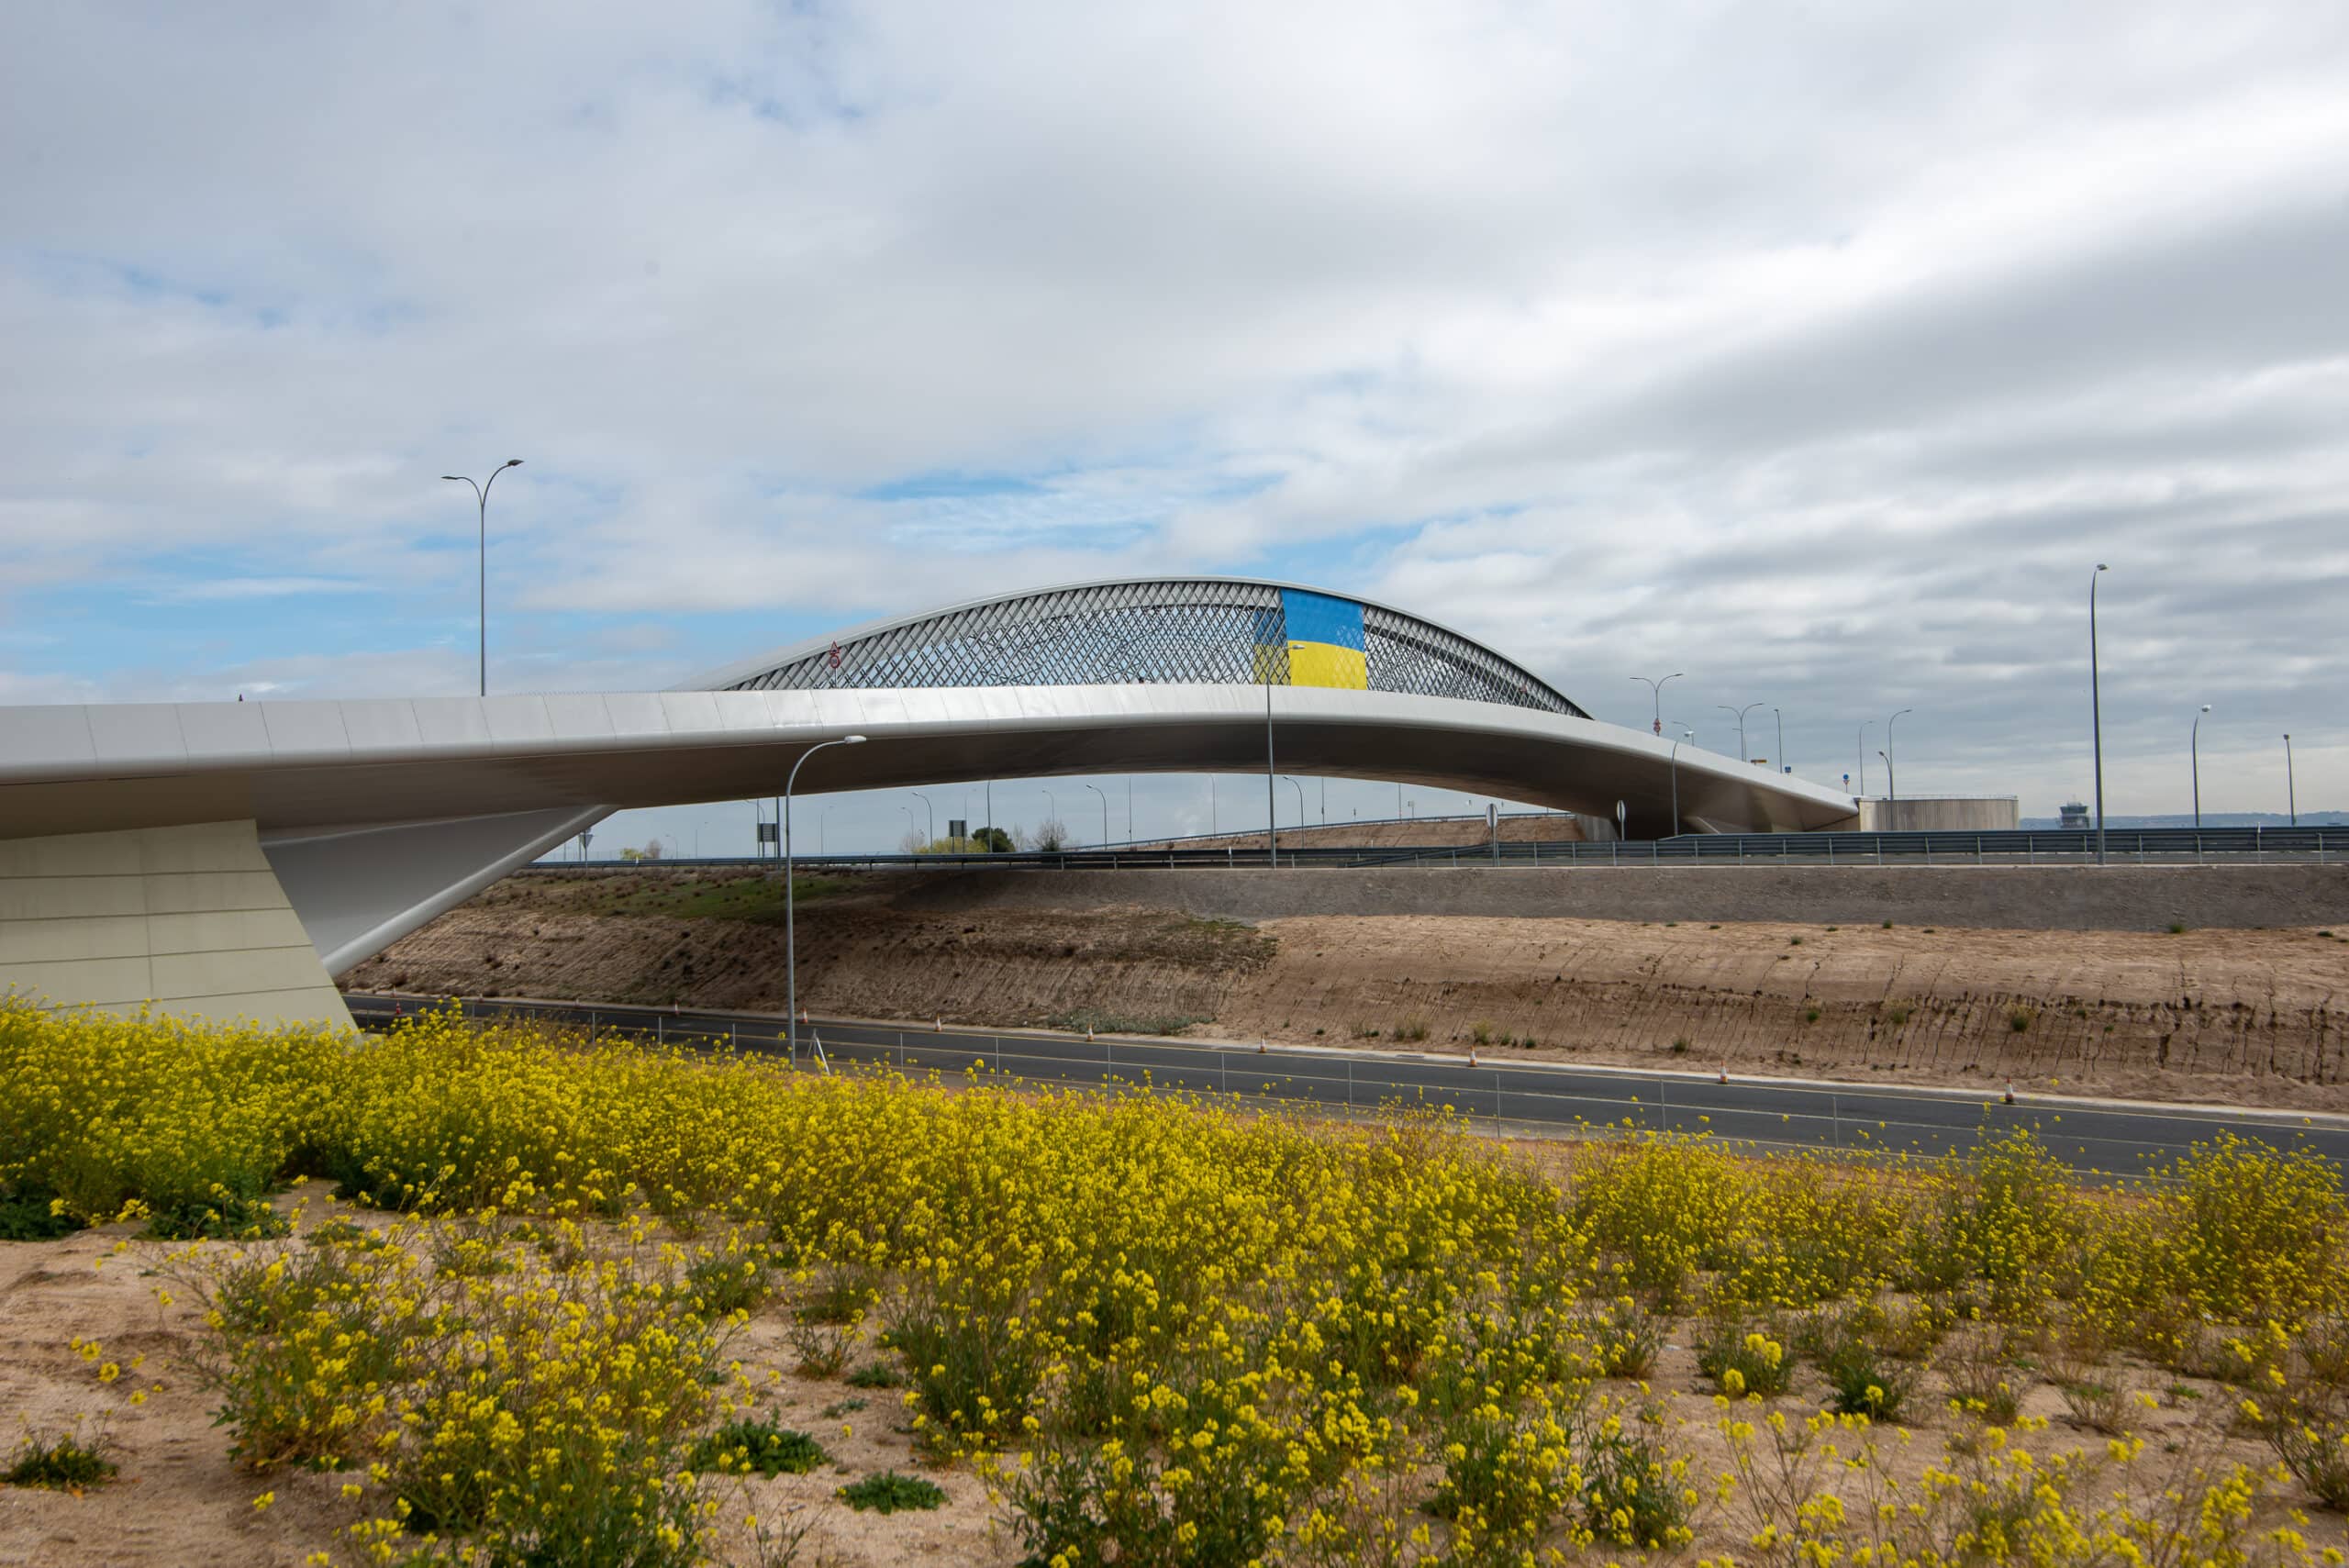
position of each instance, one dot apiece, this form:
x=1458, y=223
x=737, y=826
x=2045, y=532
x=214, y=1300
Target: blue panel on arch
x=1323, y=618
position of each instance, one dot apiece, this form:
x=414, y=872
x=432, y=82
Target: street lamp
x=929, y=815
x=1743, y=755
x=480, y=495
x=1891, y=786
x=1300, y=801
x=2096, y=710
x=2291, y=795
x=1105, y=813
x=2194, y=743
x=1864, y=757
x=1891, y=790
x=1655, y=688
x=1691, y=736
x=790, y=929
x=1782, y=740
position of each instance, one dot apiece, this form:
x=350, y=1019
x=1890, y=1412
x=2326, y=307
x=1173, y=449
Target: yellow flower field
x=1157, y=1331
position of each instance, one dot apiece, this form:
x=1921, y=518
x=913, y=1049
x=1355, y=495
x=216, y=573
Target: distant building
x=2073, y=814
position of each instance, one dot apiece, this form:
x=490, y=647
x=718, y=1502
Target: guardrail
x=2145, y=846
x=2091, y=1138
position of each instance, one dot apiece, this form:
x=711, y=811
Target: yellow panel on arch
x=1318, y=642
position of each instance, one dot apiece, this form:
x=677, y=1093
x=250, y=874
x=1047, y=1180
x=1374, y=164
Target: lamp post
x=1655, y=689
x=1300, y=801
x=1782, y=740
x=1105, y=812
x=1052, y=808
x=1891, y=784
x=790, y=927
x=2194, y=745
x=1864, y=757
x=930, y=816
x=1690, y=735
x=480, y=495
x=1743, y=754
x=2096, y=710
x=1271, y=790
x=908, y=810
x=2291, y=795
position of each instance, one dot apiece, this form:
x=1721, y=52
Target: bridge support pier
x=189, y=917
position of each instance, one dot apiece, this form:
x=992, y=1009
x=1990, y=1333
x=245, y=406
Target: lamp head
x=2100, y=566
x=2206, y=707
x=513, y=463
x=458, y=477
x=852, y=740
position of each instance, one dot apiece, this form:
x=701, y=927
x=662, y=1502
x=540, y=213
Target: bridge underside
x=375, y=817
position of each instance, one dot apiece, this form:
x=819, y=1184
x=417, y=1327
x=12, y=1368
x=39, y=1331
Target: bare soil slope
x=2246, y=1017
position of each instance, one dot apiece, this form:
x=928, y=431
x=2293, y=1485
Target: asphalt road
x=2117, y=1138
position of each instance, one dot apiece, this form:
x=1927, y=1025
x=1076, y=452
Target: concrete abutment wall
x=189, y=918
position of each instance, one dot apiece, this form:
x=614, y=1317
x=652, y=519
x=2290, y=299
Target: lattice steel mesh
x=1208, y=630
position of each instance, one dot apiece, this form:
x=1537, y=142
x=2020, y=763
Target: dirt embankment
x=2254, y=1016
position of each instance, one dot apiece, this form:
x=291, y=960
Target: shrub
x=35, y=1215
x=876, y=1374
x=1978, y=1367
x=1743, y=1362
x=1481, y=1032
x=890, y=1493
x=64, y=1462
x=1414, y=1027
x=542, y=1410
x=1633, y=1492
x=734, y=1280
x=1866, y=1383
x=974, y=1371
x=750, y=1445
x=2020, y=1019
x=2253, y=1232
x=1625, y=1339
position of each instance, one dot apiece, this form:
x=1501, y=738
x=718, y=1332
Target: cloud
x=1819, y=357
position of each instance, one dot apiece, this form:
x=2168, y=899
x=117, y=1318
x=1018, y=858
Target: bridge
x=226, y=858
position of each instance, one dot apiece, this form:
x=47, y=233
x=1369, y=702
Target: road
x=2122, y=1138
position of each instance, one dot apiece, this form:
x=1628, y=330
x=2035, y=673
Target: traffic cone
x=1088, y=1036
x=1471, y=1056
x=1260, y=1047
x=2009, y=1095
x=938, y=1024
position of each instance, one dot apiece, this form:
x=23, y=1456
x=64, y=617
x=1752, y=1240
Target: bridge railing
x=2021, y=847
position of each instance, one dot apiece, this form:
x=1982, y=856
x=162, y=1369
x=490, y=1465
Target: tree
x=1049, y=835
x=991, y=840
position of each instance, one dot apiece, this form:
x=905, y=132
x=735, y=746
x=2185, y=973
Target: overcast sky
x=1819, y=352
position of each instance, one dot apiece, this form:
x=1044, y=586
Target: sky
x=1816, y=352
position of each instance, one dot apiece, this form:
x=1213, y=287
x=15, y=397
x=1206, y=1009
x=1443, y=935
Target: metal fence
x=2151, y=846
